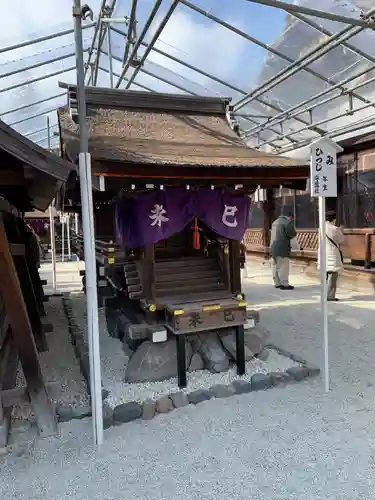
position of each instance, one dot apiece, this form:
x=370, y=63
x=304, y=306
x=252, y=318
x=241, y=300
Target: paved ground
x=292, y=443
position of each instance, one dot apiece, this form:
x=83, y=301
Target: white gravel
x=114, y=362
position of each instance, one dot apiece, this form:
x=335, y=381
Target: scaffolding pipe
x=311, y=56
x=343, y=130
x=36, y=103
x=49, y=134
x=68, y=237
x=42, y=113
x=117, y=20
x=38, y=131
x=40, y=39
x=95, y=66
x=36, y=65
x=295, y=110
x=294, y=68
x=62, y=238
x=111, y=82
x=247, y=37
x=85, y=176
x=154, y=39
x=53, y=246
x=186, y=65
x=257, y=42
x=91, y=49
x=129, y=35
x=134, y=83
x=330, y=99
x=288, y=7
x=40, y=141
x=324, y=31
x=138, y=42
x=38, y=79
x=320, y=122
x=102, y=32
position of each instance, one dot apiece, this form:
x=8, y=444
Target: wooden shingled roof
x=51, y=171
x=29, y=153
x=160, y=129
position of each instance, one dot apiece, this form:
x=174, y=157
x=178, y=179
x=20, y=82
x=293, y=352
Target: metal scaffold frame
x=268, y=117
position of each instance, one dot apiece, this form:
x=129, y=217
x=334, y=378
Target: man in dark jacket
x=282, y=232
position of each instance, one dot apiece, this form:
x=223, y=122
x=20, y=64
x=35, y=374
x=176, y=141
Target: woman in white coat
x=334, y=262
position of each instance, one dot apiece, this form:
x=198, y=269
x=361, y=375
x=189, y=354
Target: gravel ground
x=59, y=364
x=283, y=444
x=294, y=320
x=114, y=362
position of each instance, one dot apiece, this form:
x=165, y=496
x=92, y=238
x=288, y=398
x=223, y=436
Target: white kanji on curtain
x=229, y=216
x=158, y=215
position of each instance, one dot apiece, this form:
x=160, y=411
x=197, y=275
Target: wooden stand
x=18, y=301
x=187, y=319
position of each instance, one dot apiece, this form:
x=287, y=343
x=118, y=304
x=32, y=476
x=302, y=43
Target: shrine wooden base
x=23, y=330
x=196, y=317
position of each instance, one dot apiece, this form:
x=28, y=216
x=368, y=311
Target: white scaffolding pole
x=76, y=223
x=62, y=239
x=68, y=237
x=85, y=181
x=53, y=247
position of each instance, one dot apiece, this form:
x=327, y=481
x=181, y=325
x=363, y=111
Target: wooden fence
x=359, y=246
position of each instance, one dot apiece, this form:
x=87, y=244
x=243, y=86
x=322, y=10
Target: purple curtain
x=151, y=217
x=39, y=225
x=224, y=213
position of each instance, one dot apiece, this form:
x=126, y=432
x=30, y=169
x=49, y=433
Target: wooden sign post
x=323, y=184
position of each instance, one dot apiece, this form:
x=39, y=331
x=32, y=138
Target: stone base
x=214, y=351
x=132, y=410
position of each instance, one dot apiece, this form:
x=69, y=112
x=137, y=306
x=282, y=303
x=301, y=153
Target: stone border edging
x=148, y=409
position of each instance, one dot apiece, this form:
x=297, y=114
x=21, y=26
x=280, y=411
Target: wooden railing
x=359, y=246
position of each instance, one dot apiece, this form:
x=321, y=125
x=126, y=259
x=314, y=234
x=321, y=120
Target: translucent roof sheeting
x=292, y=76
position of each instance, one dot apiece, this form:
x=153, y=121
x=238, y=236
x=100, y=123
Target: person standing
x=334, y=260
x=282, y=233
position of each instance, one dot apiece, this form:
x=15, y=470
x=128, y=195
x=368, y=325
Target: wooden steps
x=186, y=276
x=176, y=277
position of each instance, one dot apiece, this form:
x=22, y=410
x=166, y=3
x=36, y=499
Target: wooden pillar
x=368, y=244
x=268, y=216
x=234, y=263
x=148, y=273
x=23, y=338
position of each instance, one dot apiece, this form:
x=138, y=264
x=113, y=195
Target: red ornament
x=196, y=238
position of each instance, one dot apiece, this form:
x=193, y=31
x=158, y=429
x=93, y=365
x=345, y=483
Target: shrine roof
x=31, y=154
x=49, y=170
x=160, y=129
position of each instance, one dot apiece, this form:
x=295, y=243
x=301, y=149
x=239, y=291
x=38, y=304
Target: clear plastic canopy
x=295, y=71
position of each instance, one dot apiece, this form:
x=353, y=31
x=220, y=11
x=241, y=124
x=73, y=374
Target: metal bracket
x=76, y=12
x=350, y=111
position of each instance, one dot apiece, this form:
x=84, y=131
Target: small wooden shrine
x=172, y=208
x=30, y=177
